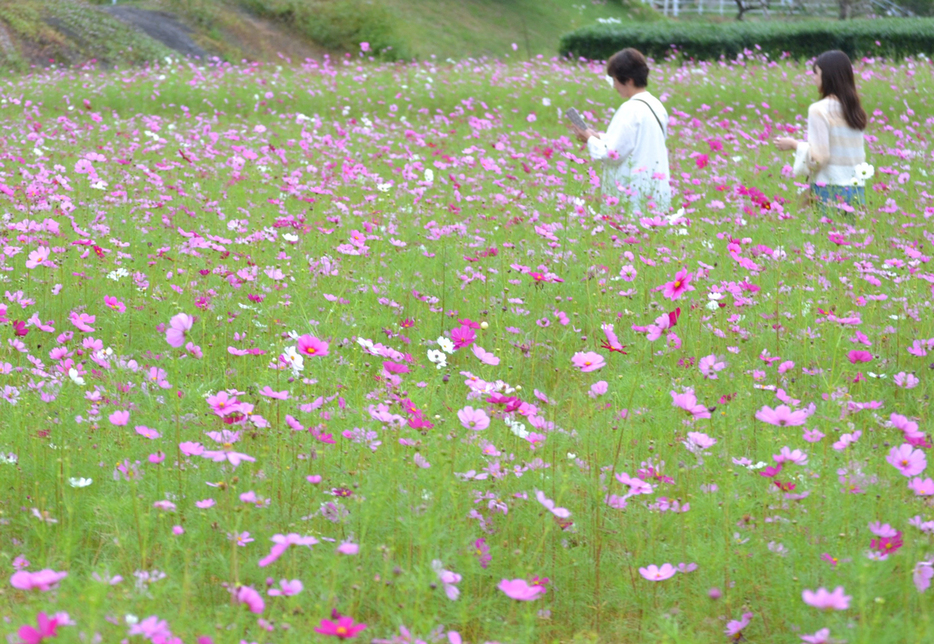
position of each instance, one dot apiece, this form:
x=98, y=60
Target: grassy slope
x=71, y=32
x=457, y=28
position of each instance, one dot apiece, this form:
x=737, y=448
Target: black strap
x=657, y=120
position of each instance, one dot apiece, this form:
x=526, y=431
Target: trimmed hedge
x=897, y=38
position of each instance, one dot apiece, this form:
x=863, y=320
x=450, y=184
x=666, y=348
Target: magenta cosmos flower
x=45, y=629
x=310, y=346
x=782, y=416
x=178, y=326
x=855, y=356
x=521, y=590
x=907, y=460
x=114, y=304
x=344, y=628
x=656, y=573
x=682, y=283
x=826, y=600
x=588, y=361
x=252, y=599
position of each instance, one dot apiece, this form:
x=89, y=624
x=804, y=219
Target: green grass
x=168, y=173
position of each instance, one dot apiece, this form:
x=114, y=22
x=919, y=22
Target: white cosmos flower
x=429, y=175
x=75, y=378
x=79, y=482
x=294, y=359
x=289, y=237
x=446, y=345
x=864, y=171
x=437, y=358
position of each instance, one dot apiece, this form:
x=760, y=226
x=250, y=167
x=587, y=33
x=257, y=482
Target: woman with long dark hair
x=835, y=148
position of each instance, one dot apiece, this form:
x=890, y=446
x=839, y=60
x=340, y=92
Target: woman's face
x=818, y=80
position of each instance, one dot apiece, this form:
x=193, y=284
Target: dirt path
x=159, y=26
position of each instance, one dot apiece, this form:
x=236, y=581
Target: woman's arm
x=818, y=139
x=617, y=144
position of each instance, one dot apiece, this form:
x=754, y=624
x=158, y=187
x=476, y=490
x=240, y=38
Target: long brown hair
x=837, y=80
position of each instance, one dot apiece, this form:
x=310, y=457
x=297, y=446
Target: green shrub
x=896, y=38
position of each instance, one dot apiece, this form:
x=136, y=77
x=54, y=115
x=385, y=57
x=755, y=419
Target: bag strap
x=657, y=120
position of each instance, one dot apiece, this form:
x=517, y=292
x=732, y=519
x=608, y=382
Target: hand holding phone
x=575, y=118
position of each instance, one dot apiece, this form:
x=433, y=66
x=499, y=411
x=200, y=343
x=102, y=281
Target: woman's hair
x=837, y=80
x=629, y=64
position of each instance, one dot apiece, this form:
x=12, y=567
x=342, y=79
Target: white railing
x=767, y=8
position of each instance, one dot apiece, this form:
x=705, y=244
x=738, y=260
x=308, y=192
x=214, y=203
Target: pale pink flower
x=787, y=455
x=656, y=573
x=907, y=460
x=286, y=588
x=697, y=442
x=906, y=380
x=598, y=389
x=281, y=544
x=710, y=365
x=688, y=402
x=520, y=590
x=922, y=574
x=820, y=637
x=782, y=416
x=588, y=361
x=882, y=529
x=826, y=600
x=43, y=580
x=561, y=513
x=119, y=418
x=475, y=419
x=178, y=326
x=484, y=356
x=921, y=487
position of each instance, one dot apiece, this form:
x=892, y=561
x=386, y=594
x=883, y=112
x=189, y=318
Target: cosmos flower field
x=349, y=350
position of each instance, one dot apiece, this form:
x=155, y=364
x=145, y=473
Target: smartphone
x=575, y=118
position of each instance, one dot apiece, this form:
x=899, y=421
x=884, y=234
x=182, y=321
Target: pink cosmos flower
x=282, y=543
x=710, y=365
x=588, y=361
x=223, y=404
x=921, y=487
x=484, y=356
x=83, y=322
x=270, y=393
x=688, y=402
x=656, y=573
x=310, y=346
x=348, y=548
x=38, y=257
x=344, y=628
x=782, y=416
x=734, y=628
x=820, y=637
x=697, y=442
x=520, y=590
x=813, y=435
x=45, y=629
x=253, y=600
x=463, y=336
x=475, y=419
x=448, y=579
x=855, y=356
x=922, y=574
x=178, y=326
x=787, y=455
x=681, y=284
x=906, y=380
x=114, y=304
x=119, y=418
x=43, y=580
x=286, y=588
x=561, y=513
x=882, y=529
x=825, y=600
x=908, y=461
x=598, y=389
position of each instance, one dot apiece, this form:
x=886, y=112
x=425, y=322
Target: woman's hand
x=581, y=134
x=786, y=143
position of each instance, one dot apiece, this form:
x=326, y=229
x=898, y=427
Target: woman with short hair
x=632, y=150
x=835, y=145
